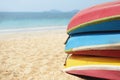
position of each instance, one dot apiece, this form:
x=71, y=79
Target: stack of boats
x=94, y=42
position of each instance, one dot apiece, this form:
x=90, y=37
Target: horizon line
x=54, y=10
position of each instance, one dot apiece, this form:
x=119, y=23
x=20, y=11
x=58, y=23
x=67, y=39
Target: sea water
x=33, y=20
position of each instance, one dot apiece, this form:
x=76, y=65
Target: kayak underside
x=99, y=67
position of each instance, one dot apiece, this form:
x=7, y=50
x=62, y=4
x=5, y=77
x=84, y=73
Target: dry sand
x=33, y=56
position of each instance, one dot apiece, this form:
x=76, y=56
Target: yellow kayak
x=98, y=67
x=75, y=60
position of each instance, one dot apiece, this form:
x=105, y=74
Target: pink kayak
x=97, y=18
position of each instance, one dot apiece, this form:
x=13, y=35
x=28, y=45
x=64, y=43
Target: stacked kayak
x=95, y=29
x=98, y=67
x=94, y=42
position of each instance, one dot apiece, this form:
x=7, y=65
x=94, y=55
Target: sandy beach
x=33, y=56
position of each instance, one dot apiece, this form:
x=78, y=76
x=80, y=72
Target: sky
x=46, y=5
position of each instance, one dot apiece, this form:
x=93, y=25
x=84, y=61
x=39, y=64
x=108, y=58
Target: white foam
x=47, y=28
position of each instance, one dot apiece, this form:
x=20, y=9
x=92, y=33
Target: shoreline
x=36, y=29
x=33, y=33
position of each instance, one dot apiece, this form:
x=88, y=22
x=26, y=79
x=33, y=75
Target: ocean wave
x=47, y=28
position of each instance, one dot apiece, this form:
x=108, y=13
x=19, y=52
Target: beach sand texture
x=33, y=56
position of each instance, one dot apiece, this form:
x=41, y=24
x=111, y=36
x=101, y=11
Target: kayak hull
x=99, y=67
x=107, y=53
x=104, y=74
x=102, y=16
x=94, y=44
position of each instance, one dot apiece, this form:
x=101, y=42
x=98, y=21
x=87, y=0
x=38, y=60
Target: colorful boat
x=97, y=35
x=94, y=44
x=99, y=67
x=104, y=17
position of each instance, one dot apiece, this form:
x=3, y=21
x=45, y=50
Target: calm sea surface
x=21, y=20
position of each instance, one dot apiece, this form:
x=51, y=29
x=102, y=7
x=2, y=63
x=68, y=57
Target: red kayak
x=96, y=15
x=108, y=53
x=104, y=74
